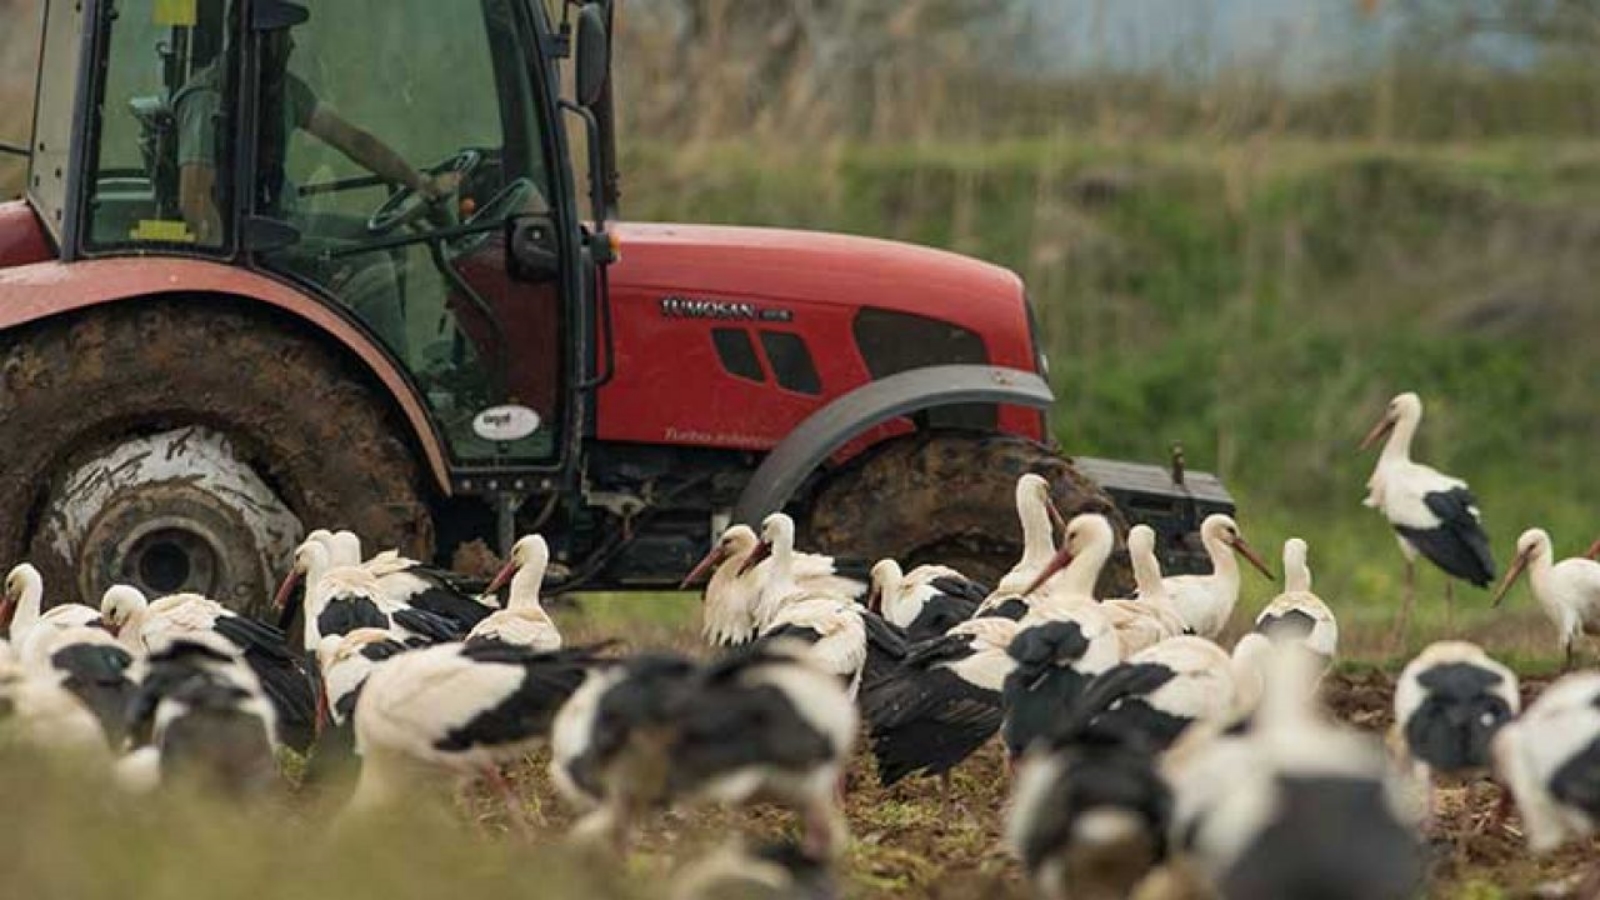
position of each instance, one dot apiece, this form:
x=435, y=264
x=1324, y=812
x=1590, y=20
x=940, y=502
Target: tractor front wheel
x=950, y=499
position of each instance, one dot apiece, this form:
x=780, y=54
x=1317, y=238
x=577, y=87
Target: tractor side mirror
x=533, y=254
x=594, y=55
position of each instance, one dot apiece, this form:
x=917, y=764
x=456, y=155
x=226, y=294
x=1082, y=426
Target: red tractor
x=233, y=310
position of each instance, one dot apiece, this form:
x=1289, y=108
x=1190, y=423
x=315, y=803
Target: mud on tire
x=948, y=498
x=300, y=416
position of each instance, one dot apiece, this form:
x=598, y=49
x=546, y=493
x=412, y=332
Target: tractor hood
x=776, y=266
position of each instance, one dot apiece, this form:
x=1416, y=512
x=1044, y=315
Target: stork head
x=1404, y=408
x=119, y=604
x=1033, y=489
x=528, y=552
x=1218, y=528
x=310, y=556
x=1086, y=534
x=736, y=541
x=1533, y=544
x=19, y=581
x=777, y=534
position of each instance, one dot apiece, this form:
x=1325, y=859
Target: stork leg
x=1566, y=665
x=826, y=830
x=1450, y=608
x=1398, y=641
x=514, y=805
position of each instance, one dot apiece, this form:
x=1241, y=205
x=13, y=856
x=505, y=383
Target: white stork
x=1250, y=805
x=92, y=664
x=142, y=625
x=732, y=596
x=761, y=722
x=941, y=702
x=1206, y=601
x=523, y=622
x=200, y=715
x=1298, y=616
x=417, y=585
x=1089, y=814
x=1568, y=591
x=339, y=599
x=1448, y=703
x=464, y=710
x=1433, y=514
x=21, y=612
x=1150, y=616
x=344, y=662
x=925, y=602
x=1549, y=757
x=1039, y=518
x=45, y=715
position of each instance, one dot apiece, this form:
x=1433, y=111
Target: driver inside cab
x=372, y=289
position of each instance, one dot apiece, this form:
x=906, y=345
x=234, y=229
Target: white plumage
x=523, y=622
x=1298, y=616
x=21, y=611
x=1206, y=601
x=1568, y=591
x=731, y=610
x=1150, y=617
x=1550, y=759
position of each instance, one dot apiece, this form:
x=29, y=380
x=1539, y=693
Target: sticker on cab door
x=505, y=423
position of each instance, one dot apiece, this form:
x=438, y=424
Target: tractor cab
x=404, y=161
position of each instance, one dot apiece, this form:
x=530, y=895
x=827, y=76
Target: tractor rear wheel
x=949, y=498
x=186, y=444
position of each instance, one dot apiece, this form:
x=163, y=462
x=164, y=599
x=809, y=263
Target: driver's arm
x=365, y=150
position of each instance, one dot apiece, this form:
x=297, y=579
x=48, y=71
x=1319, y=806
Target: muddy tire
x=948, y=498
x=292, y=426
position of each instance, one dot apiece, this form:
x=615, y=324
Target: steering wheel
x=506, y=202
x=405, y=205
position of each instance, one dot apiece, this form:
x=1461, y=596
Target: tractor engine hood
x=776, y=269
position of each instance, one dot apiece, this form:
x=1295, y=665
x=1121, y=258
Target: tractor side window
x=163, y=145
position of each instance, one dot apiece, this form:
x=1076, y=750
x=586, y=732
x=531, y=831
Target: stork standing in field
x=761, y=722
x=523, y=622
x=142, y=625
x=413, y=583
x=339, y=599
x=1150, y=616
x=732, y=597
x=1039, y=518
x=466, y=710
x=93, y=665
x=1448, y=704
x=1568, y=591
x=1206, y=601
x=21, y=609
x=42, y=714
x=925, y=602
x=1549, y=757
x=1433, y=514
x=1298, y=616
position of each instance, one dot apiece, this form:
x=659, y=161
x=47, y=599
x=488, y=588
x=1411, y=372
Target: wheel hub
x=168, y=556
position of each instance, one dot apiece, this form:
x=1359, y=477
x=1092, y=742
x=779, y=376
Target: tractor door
x=353, y=100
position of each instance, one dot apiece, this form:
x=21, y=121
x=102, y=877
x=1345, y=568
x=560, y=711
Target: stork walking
x=1433, y=514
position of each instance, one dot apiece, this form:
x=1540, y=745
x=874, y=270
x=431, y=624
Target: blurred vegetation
x=1247, y=265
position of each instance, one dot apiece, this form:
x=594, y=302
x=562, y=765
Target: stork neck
x=1397, y=447
x=1296, y=576
x=1539, y=570
x=28, y=609
x=1079, y=577
x=1147, y=577
x=891, y=589
x=525, y=586
x=1224, y=565
x=1038, y=535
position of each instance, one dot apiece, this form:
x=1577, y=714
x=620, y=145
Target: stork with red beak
x=1433, y=514
x=21, y=609
x=1568, y=591
x=1206, y=601
x=729, y=615
x=523, y=622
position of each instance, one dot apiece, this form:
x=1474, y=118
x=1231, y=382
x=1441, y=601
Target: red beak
x=503, y=576
x=1594, y=550
x=1517, y=565
x=1056, y=519
x=875, y=600
x=1384, y=426
x=282, y=598
x=705, y=565
x=1060, y=561
x=1248, y=552
x=762, y=551
x=8, y=611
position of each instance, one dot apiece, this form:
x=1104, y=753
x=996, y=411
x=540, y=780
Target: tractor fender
x=43, y=290
x=831, y=427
